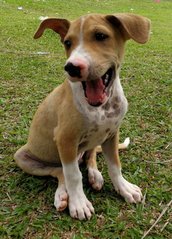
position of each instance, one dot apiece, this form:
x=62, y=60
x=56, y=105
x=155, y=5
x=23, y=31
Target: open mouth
x=96, y=91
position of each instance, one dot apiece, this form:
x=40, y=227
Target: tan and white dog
x=85, y=111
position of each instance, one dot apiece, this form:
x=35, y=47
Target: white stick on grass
x=162, y=213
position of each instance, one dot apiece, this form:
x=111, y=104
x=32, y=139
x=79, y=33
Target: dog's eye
x=67, y=43
x=100, y=36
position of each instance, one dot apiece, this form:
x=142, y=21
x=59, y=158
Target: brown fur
x=58, y=126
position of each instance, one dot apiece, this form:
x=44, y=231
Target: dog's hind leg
x=94, y=175
x=33, y=165
x=30, y=164
x=61, y=196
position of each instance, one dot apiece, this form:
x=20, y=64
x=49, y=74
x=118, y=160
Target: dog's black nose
x=72, y=70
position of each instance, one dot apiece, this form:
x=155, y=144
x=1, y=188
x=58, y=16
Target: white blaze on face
x=79, y=57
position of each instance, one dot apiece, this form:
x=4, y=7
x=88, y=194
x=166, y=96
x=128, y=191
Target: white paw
x=61, y=198
x=95, y=178
x=80, y=207
x=129, y=191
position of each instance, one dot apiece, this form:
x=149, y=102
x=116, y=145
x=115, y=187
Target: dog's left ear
x=131, y=26
x=60, y=26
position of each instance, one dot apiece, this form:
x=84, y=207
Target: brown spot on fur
x=117, y=111
x=107, y=130
x=111, y=135
x=106, y=106
x=115, y=106
x=95, y=129
x=83, y=144
x=84, y=136
x=117, y=99
x=110, y=115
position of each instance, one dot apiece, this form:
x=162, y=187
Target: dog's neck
x=107, y=110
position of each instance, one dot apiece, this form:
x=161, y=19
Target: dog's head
x=94, y=46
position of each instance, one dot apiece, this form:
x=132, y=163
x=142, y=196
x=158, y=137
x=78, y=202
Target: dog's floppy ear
x=60, y=26
x=131, y=26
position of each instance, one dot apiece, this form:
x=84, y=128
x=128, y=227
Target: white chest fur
x=100, y=122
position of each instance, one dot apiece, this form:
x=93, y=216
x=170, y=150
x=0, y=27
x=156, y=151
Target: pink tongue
x=95, y=91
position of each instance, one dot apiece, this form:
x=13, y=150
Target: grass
x=26, y=209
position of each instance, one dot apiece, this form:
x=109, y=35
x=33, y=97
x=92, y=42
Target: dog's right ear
x=132, y=26
x=60, y=26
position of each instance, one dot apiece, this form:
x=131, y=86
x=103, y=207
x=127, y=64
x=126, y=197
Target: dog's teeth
x=106, y=79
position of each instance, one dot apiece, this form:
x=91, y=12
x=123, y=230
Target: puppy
x=85, y=111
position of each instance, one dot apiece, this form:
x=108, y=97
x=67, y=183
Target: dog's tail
x=123, y=145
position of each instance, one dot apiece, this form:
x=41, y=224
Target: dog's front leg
x=79, y=206
x=130, y=192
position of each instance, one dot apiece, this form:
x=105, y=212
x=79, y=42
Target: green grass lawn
x=26, y=202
